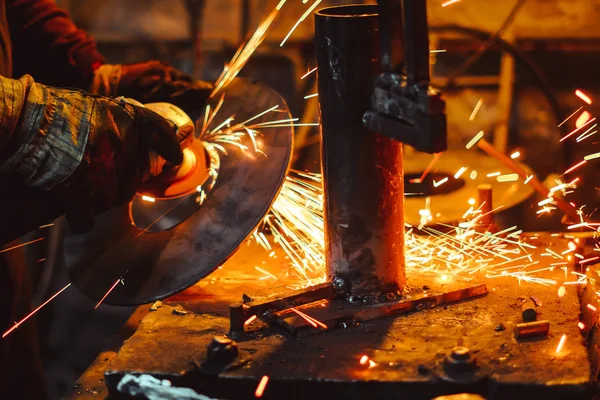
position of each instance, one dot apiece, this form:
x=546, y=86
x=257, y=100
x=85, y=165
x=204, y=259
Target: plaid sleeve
x=43, y=131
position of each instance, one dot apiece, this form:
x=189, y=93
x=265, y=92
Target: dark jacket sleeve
x=48, y=46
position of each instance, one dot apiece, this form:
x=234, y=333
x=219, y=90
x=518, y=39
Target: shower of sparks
x=302, y=18
x=568, y=135
x=21, y=245
x=308, y=73
x=109, y=291
x=245, y=51
x=17, y=324
x=475, y=139
x=260, y=389
x=476, y=110
x=583, y=96
x=449, y=2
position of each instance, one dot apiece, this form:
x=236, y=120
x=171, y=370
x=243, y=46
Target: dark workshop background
x=526, y=81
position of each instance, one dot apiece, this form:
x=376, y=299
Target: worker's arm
x=87, y=152
x=48, y=45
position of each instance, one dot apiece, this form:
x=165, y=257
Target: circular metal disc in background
x=156, y=265
x=450, y=207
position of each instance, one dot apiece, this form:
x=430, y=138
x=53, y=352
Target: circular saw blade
x=155, y=265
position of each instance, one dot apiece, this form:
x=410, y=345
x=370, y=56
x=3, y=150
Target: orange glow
x=583, y=96
x=314, y=322
x=591, y=307
x=149, y=199
x=250, y=320
x=107, y=293
x=562, y=291
x=581, y=325
x=574, y=167
x=583, y=119
x=450, y=2
x=561, y=344
x=20, y=245
x=260, y=389
x=364, y=359
x=372, y=363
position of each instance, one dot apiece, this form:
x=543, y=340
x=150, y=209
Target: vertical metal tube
x=416, y=41
x=362, y=170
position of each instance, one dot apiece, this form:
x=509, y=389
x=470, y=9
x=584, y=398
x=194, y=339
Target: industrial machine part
x=154, y=265
x=404, y=106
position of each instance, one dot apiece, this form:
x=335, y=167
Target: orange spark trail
x=583, y=96
x=570, y=116
x=450, y=2
x=576, y=130
x=436, y=156
x=310, y=319
x=250, y=320
x=20, y=245
x=561, y=343
x=109, y=290
x=582, y=119
x=574, y=167
x=16, y=325
x=260, y=389
x=309, y=72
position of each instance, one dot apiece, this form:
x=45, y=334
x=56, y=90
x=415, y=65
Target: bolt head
x=461, y=353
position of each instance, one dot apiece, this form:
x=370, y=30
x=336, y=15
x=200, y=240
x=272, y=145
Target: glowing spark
x=16, y=325
x=493, y=174
x=245, y=51
x=440, y=183
x=581, y=325
x=570, y=116
x=568, y=135
x=591, y=307
x=561, y=343
x=308, y=73
x=583, y=96
x=508, y=178
x=309, y=319
x=436, y=157
x=460, y=172
x=591, y=156
x=476, y=110
x=562, y=291
x=372, y=364
x=250, y=320
x=474, y=140
x=109, y=290
x=302, y=18
x=529, y=178
x=515, y=155
x=311, y=95
x=583, y=119
x=45, y=226
x=450, y=2
x=364, y=359
x=265, y=272
x=437, y=51
x=472, y=201
x=260, y=389
x=20, y=245
x=587, y=260
x=148, y=199
x=473, y=175
x=574, y=167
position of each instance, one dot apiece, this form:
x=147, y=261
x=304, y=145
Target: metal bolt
x=460, y=361
x=338, y=283
x=461, y=353
x=221, y=351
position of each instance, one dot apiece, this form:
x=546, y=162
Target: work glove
x=79, y=152
x=153, y=81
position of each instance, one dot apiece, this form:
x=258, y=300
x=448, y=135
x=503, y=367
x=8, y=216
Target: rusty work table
x=408, y=349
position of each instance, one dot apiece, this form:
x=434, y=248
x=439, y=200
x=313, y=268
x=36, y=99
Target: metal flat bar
x=334, y=313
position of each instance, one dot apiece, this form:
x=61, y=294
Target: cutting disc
x=449, y=201
x=154, y=265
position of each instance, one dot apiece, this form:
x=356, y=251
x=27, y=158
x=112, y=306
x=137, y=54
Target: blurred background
x=522, y=60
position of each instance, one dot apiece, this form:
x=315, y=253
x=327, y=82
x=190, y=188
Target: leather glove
x=77, y=153
x=153, y=81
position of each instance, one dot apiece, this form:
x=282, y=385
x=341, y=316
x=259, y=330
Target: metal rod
x=362, y=170
x=416, y=41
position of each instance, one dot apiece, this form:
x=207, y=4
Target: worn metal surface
x=362, y=170
x=409, y=350
x=155, y=265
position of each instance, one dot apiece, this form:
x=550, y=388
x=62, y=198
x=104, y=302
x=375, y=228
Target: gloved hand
x=87, y=153
x=152, y=81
